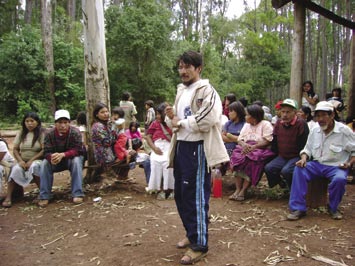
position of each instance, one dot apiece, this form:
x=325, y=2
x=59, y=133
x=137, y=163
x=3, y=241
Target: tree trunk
x=324, y=65
x=28, y=11
x=351, y=98
x=96, y=77
x=46, y=23
x=297, y=53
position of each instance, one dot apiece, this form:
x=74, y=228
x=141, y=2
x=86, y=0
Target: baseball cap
x=324, y=106
x=61, y=114
x=290, y=102
x=119, y=121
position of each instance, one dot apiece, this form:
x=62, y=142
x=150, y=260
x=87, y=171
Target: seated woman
x=134, y=137
x=104, y=139
x=158, y=137
x=28, y=151
x=6, y=162
x=232, y=128
x=252, y=152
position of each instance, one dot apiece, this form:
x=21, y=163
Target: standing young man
x=196, y=146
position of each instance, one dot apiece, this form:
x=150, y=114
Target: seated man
x=330, y=149
x=63, y=150
x=289, y=137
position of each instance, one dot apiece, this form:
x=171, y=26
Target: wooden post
x=351, y=95
x=297, y=52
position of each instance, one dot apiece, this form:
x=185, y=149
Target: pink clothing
x=157, y=132
x=263, y=130
x=133, y=135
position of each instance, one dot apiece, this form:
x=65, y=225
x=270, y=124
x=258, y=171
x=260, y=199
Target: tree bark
x=96, y=77
x=297, y=53
x=324, y=60
x=28, y=11
x=46, y=23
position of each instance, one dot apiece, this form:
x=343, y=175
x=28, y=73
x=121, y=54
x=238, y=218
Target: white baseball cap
x=119, y=121
x=61, y=114
x=324, y=106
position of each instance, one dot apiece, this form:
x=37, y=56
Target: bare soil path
x=128, y=227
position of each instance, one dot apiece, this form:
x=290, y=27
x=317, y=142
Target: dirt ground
x=129, y=227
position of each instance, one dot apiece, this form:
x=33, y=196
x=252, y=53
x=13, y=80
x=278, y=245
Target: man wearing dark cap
x=63, y=150
x=329, y=153
x=289, y=137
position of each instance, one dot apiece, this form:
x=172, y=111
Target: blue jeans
x=315, y=170
x=75, y=167
x=146, y=167
x=280, y=168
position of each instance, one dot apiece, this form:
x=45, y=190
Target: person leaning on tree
x=63, y=150
x=196, y=146
x=329, y=153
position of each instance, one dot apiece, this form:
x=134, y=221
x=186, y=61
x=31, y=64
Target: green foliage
x=139, y=52
x=22, y=75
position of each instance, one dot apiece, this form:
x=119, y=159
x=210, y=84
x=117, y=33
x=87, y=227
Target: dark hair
x=150, y=103
x=238, y=107
x=81, y=118
x=328, y=96
x=311, y=90
x=256, y=111
x=244, y=101
x=97, y=109
x=118, y=111
x=161, y=110
x=133, y=124
x=308, y=112
x=231, y=97
x=338, y=90
x=258, y=102
x=190, y=58
x=125, y=96
x=36, y=132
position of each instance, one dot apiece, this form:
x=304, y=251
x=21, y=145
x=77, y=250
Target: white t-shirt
x=7, y=157
x=183, y=111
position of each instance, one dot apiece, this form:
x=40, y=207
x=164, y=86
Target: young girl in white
x=158, y=137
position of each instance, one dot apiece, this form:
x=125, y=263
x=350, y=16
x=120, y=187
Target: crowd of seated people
x=283, y=149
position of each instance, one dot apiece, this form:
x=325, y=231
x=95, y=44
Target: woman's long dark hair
x=97, y=109
x=161, y=110
x=311, y=90
x=36, y=131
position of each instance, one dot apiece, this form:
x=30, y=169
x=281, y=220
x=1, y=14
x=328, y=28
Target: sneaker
x=295, y=215
x=171, y=196
x=335, y=215
x=161, y=196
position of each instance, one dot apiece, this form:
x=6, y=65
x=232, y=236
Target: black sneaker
x=295, y=215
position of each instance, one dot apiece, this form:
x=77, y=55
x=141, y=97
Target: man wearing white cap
x=63, y=150
x=329, y=153
x=289, y=138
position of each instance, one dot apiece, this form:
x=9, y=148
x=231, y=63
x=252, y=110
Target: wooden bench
x=317, y=194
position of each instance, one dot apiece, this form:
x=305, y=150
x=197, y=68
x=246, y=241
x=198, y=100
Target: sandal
x=234, y=196
x=42, y=203
x=7, y=204
x=183, y=243
x=240, y=198
x=193, y=256
x=78, y=200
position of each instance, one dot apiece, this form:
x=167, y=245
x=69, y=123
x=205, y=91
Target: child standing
x=158, y=137
x=150, y=115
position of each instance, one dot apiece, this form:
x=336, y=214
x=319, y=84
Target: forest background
x=249, y=55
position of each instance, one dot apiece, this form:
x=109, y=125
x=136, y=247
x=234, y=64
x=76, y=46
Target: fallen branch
x=328, y=261
x=55, y=240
